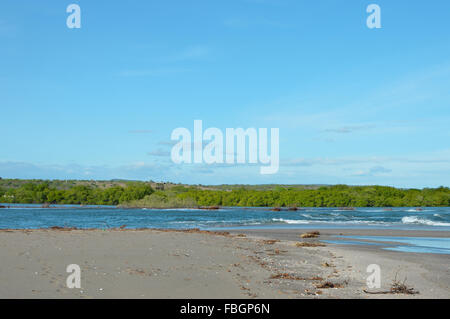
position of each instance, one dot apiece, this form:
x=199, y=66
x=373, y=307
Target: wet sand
x=171, y=264
x=425, y=272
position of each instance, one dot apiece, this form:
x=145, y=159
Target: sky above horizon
x=353, y=105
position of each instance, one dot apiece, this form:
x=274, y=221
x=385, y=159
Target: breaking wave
x=423, y=221
x=290, y=221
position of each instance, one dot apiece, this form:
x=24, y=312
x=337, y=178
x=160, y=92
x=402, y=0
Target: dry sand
x=170, y=264
x=429, y=274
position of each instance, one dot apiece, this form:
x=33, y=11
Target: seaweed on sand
x=397, y=287
x=309, y=244
x=313, y=234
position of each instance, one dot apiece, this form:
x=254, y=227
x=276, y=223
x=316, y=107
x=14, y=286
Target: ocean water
x=33, y=216
x=404, y=244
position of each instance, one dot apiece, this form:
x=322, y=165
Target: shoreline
x=291, y=233
x=215, y=207
x=271, y=231
x=286, y=233
x=128, y=263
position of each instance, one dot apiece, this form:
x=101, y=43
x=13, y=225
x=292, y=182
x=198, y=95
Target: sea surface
x=396, y=243
x=33, y=216
x=422, y=245
x=21, y=216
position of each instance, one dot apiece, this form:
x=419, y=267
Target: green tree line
x=330, y=196
x=42, y=192
x=141, y=194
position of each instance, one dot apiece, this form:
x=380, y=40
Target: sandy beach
x=176, y=264
x=429, y=274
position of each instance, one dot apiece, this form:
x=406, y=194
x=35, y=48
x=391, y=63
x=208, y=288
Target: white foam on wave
x=417, y=220
x=414, y=210
x=290, y=221
x=347, y=222
x=363, y=222
x=188, y=209
x=335, y=214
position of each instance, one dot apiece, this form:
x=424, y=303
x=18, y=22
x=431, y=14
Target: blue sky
x=354, y=105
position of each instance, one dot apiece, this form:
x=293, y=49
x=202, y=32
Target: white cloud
x=394, y=95
x=159, y=152
x=194, y=52
x=349, y=129
x=138, y=170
